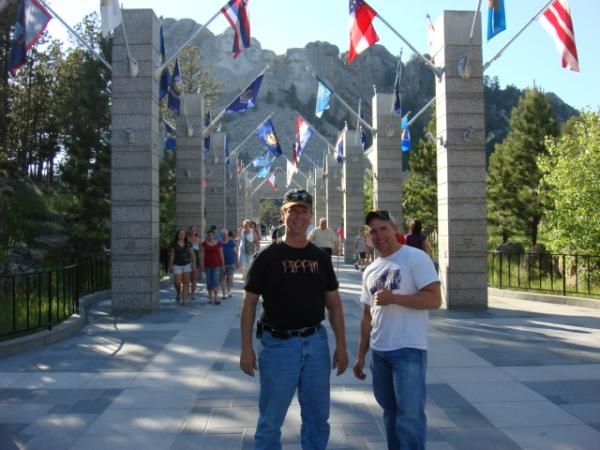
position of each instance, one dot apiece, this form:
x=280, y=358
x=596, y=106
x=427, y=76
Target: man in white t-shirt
x=398, y=289
x=324, y=238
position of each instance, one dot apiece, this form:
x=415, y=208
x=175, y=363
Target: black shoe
x=356, y=266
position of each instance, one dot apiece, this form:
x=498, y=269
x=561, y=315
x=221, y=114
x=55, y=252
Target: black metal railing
x=39, y=300
x=554, y=273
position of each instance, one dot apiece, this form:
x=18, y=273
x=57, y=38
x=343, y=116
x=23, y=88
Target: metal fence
x=39, y=300
x=553, y=273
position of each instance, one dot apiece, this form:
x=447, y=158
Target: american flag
x=362, y=32
x=556, y=19
x=237, y=16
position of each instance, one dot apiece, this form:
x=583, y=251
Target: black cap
x=379, y=214
x=297, y=197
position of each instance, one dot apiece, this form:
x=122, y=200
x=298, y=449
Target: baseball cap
x=379, y=214
x=297, y=197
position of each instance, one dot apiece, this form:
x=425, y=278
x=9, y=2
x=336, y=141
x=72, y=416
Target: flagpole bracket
x=134, y=67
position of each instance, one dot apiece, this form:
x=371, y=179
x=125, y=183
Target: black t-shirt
x=293, y=283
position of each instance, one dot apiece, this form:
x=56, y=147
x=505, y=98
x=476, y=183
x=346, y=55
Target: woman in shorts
x=181, y=260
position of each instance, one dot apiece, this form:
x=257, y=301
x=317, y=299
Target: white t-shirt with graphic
x=406, y=271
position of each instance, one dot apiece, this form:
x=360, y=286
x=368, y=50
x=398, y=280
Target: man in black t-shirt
x=297, y=283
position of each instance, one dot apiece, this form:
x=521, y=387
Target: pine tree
x=419, y=193
x=515, y=204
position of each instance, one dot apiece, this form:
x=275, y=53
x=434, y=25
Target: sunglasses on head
x=299, y=196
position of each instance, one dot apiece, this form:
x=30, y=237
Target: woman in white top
x=248, y=247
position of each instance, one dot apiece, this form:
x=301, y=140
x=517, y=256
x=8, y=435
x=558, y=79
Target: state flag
x=272, y=180
x=406, y=143
x=175, y=89
x=496, y=18
x=163, y=85
x=266, y=132
x=556, y=20
x=323, y=94
x=247, y=99
x=362, y=32
x=338, y=152
x=32, y=19
x=303, y=134
x=237, y=16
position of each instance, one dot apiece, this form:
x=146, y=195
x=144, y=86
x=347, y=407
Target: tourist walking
x=324, y=238
x=415, y=237
x=247, y=247
x=212, y=264
x=181, y=260
x=360, y=250
x=231, y=262
x=195, y=241
x=398, y=289
x=297, y=283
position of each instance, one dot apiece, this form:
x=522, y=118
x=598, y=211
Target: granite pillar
x=461, y=165
x=353, y=190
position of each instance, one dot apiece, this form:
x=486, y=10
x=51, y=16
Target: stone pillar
x=461, y=165
x=189, y=173
x=386, y=157
x=134, y=169
x=354, y=191
x=215, y=181
x=333, y=192
x=231, y=195
x=241, y=199
x=320, y=199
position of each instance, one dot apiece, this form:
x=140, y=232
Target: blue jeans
x=212, y=277
x=285, y=365
x=399, y=388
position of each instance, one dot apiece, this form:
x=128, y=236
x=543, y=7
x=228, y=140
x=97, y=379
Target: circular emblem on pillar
x=389, y=130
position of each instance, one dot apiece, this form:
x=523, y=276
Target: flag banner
x=362, y=133
x=289, y=173
x=263, y=172
x=303, y=134
x=397, y=105
x=556, y=20
x=237, y=16
x=323, y=94
x=272, y=180
x=362, y=32
x=246, y=99
x=496, y=18
x=110, y=12
x=32, y=19
x=431, y=37
x=338, y=152
x=175, y=88
x=266, y=132
x=405, y=143
x=170, y=136
x=206, y=145
x=262, y=161
x=163, y=85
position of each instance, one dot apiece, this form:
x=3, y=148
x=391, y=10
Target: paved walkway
x=522, y=375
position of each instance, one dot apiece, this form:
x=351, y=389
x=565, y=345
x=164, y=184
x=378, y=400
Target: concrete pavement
x=522, y=375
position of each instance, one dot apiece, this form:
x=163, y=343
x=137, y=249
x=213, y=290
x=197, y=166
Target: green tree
x=368, y=187
x=85, y=171
x=570, y=178
x=515, y=204
x=419, y=193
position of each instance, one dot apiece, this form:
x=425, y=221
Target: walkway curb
x=63, y=330
x=546, y=298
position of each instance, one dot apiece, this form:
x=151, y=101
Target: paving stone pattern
x=522, y=375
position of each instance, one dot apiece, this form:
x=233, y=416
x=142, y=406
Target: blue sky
x=282, y=24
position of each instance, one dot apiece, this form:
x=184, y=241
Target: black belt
x=286, y=334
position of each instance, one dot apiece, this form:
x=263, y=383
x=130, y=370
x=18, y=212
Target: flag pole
x=133, y=64
x=79, y=38
x=346, y=105
x=438, y=72
x=464, y=64
x=315, y=130
x=421, y=111
x=497, y=55
x=160, y=68
x=232, y=152
x=222, y=113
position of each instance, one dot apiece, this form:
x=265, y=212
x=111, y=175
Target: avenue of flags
x=556, y=20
